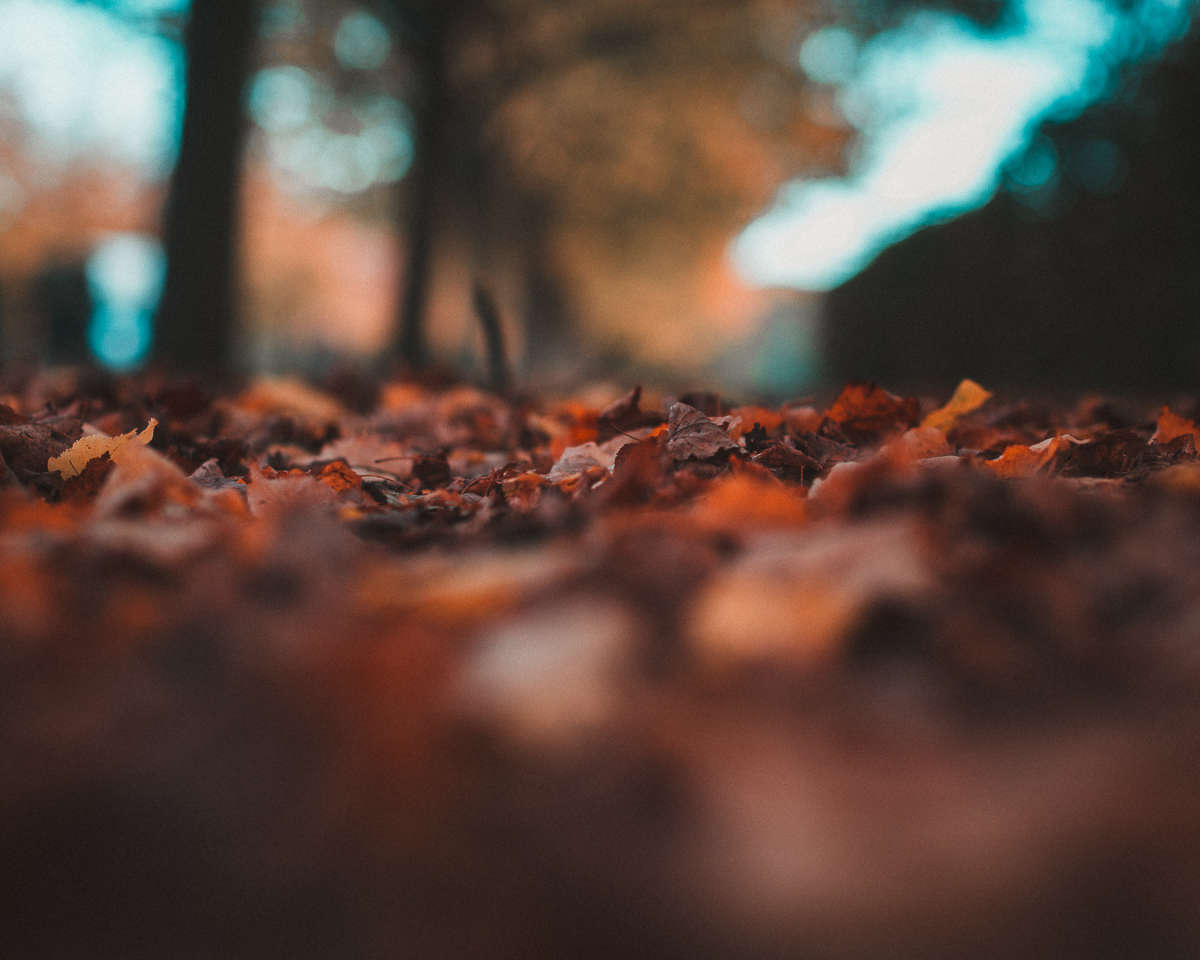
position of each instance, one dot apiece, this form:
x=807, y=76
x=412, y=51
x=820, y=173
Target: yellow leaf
x=967, y=397
x=72, y=461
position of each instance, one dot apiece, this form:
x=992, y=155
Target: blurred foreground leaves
x=601, y=673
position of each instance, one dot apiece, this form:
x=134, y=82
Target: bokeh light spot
x=828, y=55
x=281, y=98
x=125, y=276
x=361, y=41
x=1036, y=169
x=1099, y=167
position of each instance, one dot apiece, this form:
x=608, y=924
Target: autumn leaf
x=339, y=477
x=921, y=443
x=583, y=457
x=1018, y=460
x=623, y=415
x=967, y=397
x=1172, y=426
x=291, y=397
x=741, y=502
x=693, y=436
x=71, y=462
x=27, y=446
x=865, y=411
x=84, y=486
x=786, y=461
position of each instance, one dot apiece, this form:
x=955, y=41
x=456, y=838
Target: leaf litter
x=851, y=680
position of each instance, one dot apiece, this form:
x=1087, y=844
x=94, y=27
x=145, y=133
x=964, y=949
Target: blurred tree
x=64, y=305
x=633, y=125
x=427, y=30
x=195, y=325
x=559, y=142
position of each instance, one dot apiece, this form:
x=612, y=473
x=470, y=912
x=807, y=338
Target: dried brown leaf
x=693, y=436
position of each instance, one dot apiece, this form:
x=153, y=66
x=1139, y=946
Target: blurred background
x=768, y=196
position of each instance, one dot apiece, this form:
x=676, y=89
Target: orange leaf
x=770, y=419
x=1172, y=426
x=865, y=411
x=1019, y=460
x=339, y=478
x=742, y=502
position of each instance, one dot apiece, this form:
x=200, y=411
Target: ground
x=397, y=669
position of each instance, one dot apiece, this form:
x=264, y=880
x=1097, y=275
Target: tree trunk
x=548, y=307
x=196, y=317
x=425, y=182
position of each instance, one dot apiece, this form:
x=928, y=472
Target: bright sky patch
x=942, y=106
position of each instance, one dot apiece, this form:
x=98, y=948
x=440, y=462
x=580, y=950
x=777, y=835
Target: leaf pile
x=448, y=674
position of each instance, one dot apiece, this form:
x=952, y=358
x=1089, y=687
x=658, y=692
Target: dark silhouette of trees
x=64, y=305
x=426, y=30
x=1091, y=281
x=196, y=321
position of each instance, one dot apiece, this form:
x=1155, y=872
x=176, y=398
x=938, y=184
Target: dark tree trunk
x=548, y=319
x=197, y=314
x=425, y=182
x=492, y=328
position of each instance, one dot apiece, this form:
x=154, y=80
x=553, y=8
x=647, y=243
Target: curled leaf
x=968, y=397
x=1018, y=460
x=587, y=455
x=692, y=435
x=72, y=461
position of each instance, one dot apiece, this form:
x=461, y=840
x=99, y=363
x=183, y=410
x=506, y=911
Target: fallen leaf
x=769, y=420
x=339, y=478
x=370, y=455
x=1018, y=460
x=921, y=443
x=825, y=451
x=792, y=596
x=693, y=436
x=636, y=473
x=27, y=446
x=865, y=411
x=786, y=461
x=289, y=396
x=269, y=491
x=968, y=396
x=745, y=502
x=143, y=482
x=71, y=462
x=622, y=415
x=1114, y=453
x=85, y=485
x=1172, y=425
x=587, y=455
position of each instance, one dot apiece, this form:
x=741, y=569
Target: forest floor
x=396, y=670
